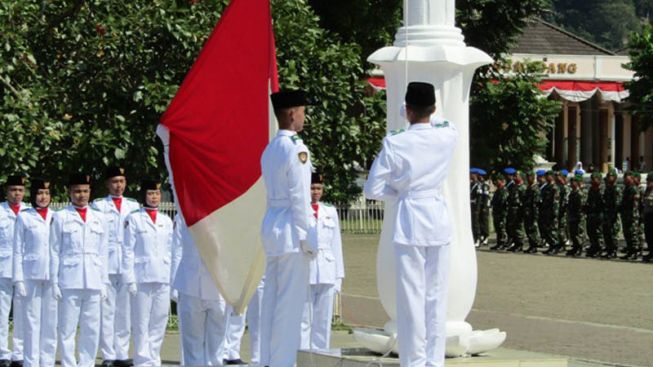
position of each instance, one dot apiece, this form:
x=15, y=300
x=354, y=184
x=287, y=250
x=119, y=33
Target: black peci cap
x=288, y=99
x=420, y=94
x=114, y=171
x=79, y=179
x=317, y=178
x=15, y=180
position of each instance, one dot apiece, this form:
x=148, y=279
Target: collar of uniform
x=284, y=132
x=420, y=126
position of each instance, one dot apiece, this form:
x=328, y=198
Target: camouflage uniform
x=648, y=219
x=629, y=210
x=499, y=215
x=611, y=224
x=484, y=212
x=549, y=214
x=474, y=196
x=576, y=219
x=515, y=225
x=564, y=191
x=531, y=216
x=594, y=211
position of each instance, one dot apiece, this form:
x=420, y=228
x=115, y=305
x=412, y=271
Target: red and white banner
x=216, y=128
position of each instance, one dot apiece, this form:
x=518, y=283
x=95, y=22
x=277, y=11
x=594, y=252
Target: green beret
x=597, y=175
x=612, y=172
x=637, y=175
x=550, y=172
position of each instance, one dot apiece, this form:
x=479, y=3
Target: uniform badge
x=303, y=157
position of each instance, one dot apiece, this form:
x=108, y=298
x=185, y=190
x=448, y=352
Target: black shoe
x=107, y=363
x=496, y=247
x=5, y=363
x=574, y=252
x=609, y=255
x=531, y=250
x=627, y=256
x=233, y=361
x=123, y=363
x=515, y=248
x=16, y=363
x=648, y=257
x=551, y=251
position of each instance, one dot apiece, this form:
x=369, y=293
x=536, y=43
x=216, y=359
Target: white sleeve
x=377, y=185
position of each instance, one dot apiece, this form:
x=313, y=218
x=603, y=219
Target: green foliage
x=607, y=23
x=83, y=83
x=344, y=126
x=508, y=118
x=641, y=87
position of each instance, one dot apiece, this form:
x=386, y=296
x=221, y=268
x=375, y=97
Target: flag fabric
x=215, y=131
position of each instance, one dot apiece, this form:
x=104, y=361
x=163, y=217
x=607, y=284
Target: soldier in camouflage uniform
x=484, y=205
x=474, y=196
x=549, y=211
x=531, y=211
x=541, y=182
x=499, y=212
x=575, y=215
x=648, y=217
x=637, y=177
x=629, y=210
x=611, y=200
x=561, y=216
x=515, y=221
x=594, y=212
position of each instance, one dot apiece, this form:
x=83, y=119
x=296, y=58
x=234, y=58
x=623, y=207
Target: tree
x=508, y=118
x=641, y=87
x=83, y=83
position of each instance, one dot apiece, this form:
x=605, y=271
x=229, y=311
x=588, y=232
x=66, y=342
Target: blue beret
x=540, y=173
x=564, y=172
x=579, y=172
x=481, y=172
x=473, y=170
x=509, y=171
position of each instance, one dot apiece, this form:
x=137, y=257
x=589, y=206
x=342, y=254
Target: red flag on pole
x=219, y=124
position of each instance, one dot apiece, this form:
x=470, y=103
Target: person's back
x=420, y=160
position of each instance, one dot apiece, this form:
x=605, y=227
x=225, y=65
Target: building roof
x=540, y=37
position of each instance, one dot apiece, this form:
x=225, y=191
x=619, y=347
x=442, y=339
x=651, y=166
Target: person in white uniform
x=147, y=255
x=9, y=212
x=201, y=308
x=32, y=277
x=409, y=172
x=284, y=234
x=326, y=270
x=78, y=266
x=115, y=329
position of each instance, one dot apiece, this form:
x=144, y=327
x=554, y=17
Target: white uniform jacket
x=115, y=224
x=411, y=169
x=286, y=220
x=191, y=276
x=327, y=267
x=147, y=248
x=32, y=246
x=78, y=257
x=7, y=225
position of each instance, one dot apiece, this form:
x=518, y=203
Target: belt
x=424, y=194
x=279, y=203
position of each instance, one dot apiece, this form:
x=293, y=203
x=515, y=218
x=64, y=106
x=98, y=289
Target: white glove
x=307, y=248
x=338, y=285
x=19, y=287
x=103, y=293
x=174, y=295
x=132, y=288
x=56, y=292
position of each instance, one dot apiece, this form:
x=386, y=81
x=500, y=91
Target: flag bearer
x=147, y=255
x=32, y=277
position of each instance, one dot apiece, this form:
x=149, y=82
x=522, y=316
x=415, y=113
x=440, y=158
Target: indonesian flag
x=214, y=132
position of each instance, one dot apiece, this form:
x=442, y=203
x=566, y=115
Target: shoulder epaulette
x=130, y=199
x=98, y=199
x=396, y=132
x=442, y=124
x=295, y=138
x=57, y=209
x=96, y=209
x=134, y=211
x=328, y=205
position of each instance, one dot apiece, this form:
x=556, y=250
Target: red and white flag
x=215, y=131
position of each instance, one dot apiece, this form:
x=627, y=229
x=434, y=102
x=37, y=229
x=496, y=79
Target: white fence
x=362, y=217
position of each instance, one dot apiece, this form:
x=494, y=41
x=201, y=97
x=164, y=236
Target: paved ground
x=596, y=312
x=588, y=309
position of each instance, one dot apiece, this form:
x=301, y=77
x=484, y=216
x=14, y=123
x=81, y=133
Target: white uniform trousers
x=149, y=307
x=203, y=325
x=79, y=307
x=114, y=338
x=318, y=312
x=253, y=316
x=284, y=296
x=6, y=292
x=234, y=334
x=422, y=283
x=40, y=344
x=19, y=327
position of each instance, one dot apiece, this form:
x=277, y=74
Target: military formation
x=97, y=276
x=539, y=211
